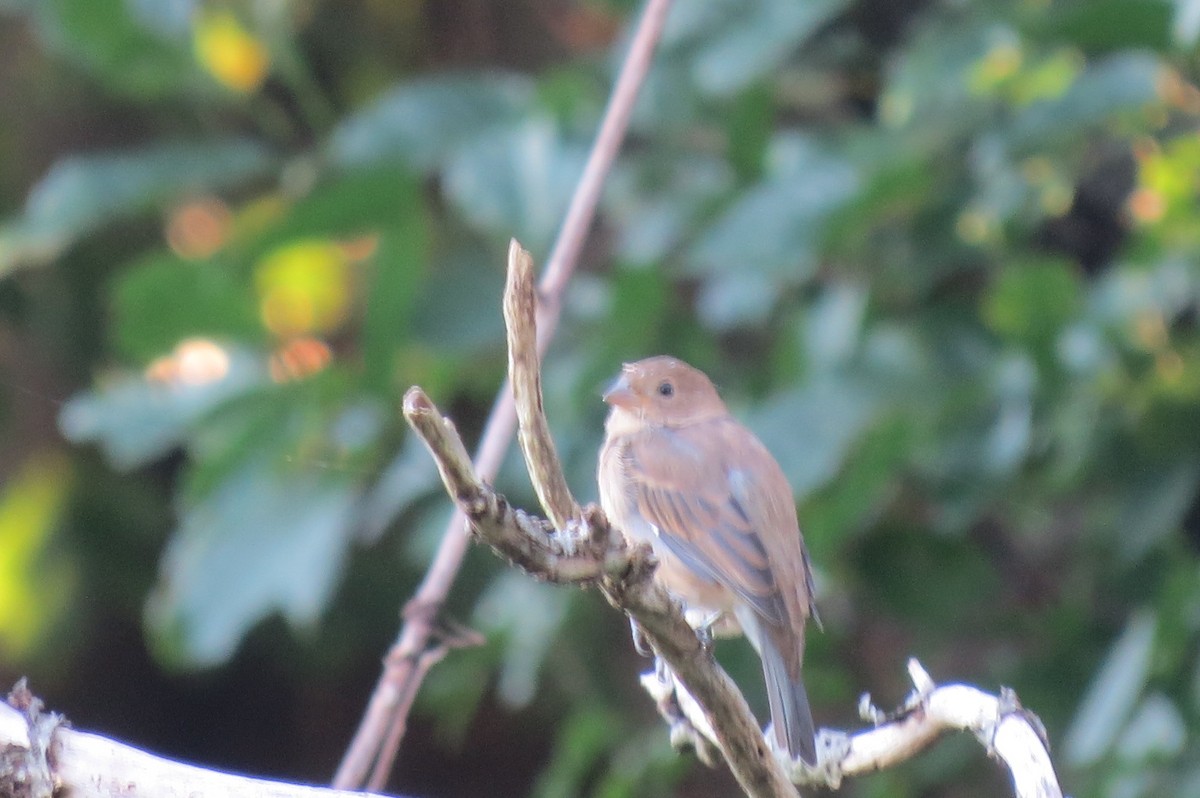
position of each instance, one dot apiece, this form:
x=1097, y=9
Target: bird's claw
x=639, y=640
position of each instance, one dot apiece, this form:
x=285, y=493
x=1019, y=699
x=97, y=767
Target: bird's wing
x=709, y=494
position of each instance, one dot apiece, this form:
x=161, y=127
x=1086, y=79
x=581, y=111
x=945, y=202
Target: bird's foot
x=704, y=626
x=639, y=639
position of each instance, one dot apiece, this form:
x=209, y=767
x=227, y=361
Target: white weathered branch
x=1005, y=729
x=82, y=765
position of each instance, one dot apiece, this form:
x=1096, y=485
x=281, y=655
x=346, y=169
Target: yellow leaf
x=34, y=590
x=229, y=52
x=304, y=288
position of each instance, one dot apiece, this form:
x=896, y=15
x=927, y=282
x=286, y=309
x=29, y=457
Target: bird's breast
x=618, y=497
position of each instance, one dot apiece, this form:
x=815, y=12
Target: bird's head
x=663, y=391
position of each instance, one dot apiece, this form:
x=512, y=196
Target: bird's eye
x=666, y=389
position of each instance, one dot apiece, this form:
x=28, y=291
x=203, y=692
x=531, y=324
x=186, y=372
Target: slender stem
x=401, y=676
x=524, y=373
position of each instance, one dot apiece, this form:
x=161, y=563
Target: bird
x=679, y=472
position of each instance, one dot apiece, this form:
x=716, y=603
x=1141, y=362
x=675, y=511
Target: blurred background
x=943, y=255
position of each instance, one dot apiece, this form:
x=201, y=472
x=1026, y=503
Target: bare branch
x=597, y=555
x=1002, y=725
x=533, y=432
x=400, y=676
x=702, y=705
x=90, y=766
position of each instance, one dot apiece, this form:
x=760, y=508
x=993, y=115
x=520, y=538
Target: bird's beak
x=619, y=394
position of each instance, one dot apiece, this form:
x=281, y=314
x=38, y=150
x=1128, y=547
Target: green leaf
x=729, y=300
x=1106, y=25
x=528, y=614
x=812, y=428
x=775, y=228
x=657, y=200
x=1156, y=730
x=261, y=542
x=516, y=183
x=1186, y=24
x=80, y=193
x=135, y=420
x=409, y=477
x=349, y=203
x=582, y=742
x=1124, y=82
x=111, y=41
x=757, y=40
x=167, y=18
x=1105, y=709
x=165, y=299
x=1152, y=503
x=422, y=121
x=927, y=91
x=1033, y=302
x=397, y=274
x=458, y=312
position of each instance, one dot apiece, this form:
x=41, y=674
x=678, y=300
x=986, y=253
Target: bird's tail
x=790, y=714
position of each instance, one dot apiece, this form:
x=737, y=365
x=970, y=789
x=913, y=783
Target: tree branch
x=695, y=694
x=524, y=374
x=85, y=765
x=591, y=553
x=387, y=709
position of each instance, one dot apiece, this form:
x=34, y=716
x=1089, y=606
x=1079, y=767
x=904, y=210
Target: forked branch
x=696, y=696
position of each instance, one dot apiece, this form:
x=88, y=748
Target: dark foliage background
x=942, y=255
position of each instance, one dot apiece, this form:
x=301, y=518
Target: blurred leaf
x=516, y=183
x=458, y=311
x=163, y=300
x=1186, y=26
x=1156, y=729
x=775, y=228
x=229, y=52
x=304, y=287
x=35, y=588
x=812, y=428
x=421, y=122
x=80, y=193
x=1125, y=82
x=397, y=276
x=528, y=613
x=135, y=420
x=1151, y=505
x=263, y=541
x=755, y=40
x=1008, y=441
x=353, y=202
x=1104, y=711
x=1105, y=25
x=582, y=741
x=1031, y=303
x=110, y=40
x=410, y=476
x=834, y=325
x=656, y=202
x=927, y=91
x=728, y=300
x=167, y=18
x=870, y=477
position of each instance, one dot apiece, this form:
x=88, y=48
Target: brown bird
x=679, y=472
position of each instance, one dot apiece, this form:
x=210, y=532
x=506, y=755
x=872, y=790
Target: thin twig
x=400, y=677
x=737, y=733
x=533, y=432
x=387, y=754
